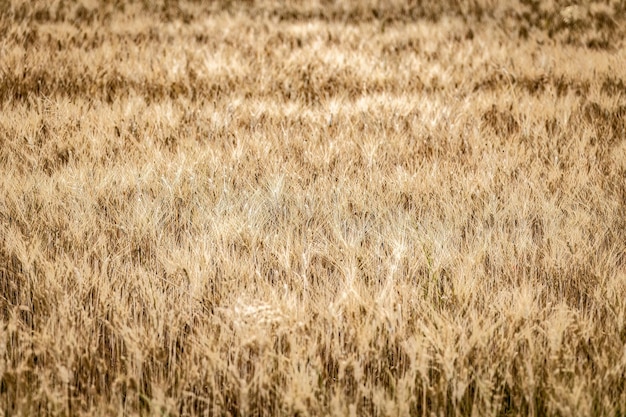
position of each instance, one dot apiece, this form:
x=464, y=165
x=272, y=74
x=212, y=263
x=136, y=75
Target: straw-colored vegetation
x=301, y=208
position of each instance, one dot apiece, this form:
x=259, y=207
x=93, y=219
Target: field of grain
x=287, y=208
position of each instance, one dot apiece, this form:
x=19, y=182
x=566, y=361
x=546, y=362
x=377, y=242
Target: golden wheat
x=312, y=208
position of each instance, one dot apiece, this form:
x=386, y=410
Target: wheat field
x=326, y=208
